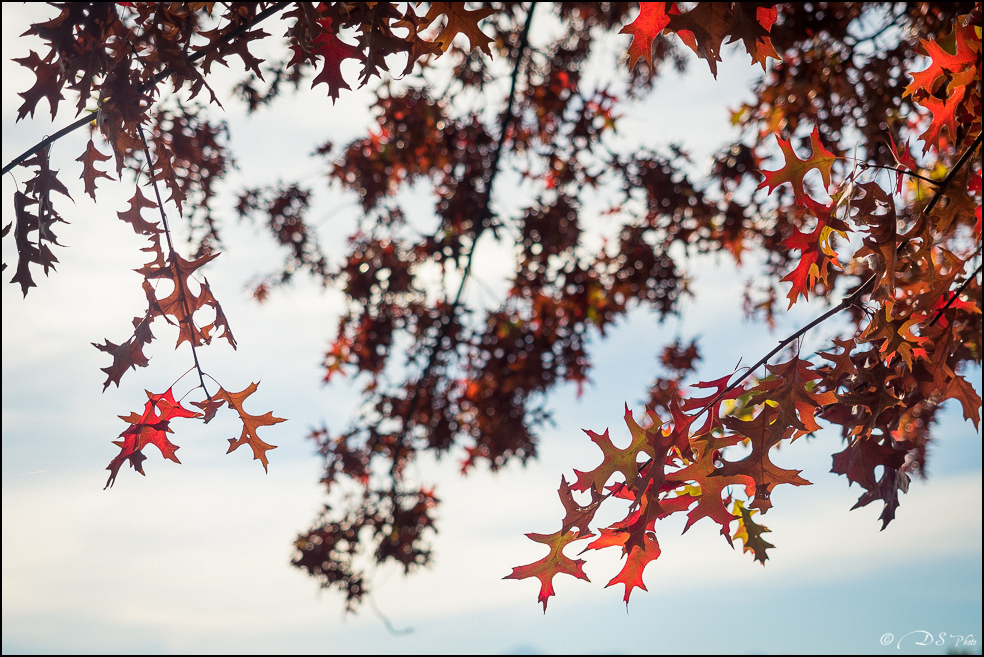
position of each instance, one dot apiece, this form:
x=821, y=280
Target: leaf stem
x=173, y=257
x=900, y=170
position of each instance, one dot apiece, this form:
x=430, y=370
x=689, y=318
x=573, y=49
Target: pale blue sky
x=194, y=557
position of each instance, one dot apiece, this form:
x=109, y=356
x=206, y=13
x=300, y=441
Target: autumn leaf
x=89, y=171
x=754, y=31
x=614, y=459
x=791, y=390
x=46, y=84
x=967, y=53
x=764, y=433
x=250, y=423
x=704, y=28
x=703, y=472
x=961, y=389
x=132, y=216
x=577, y=516
x=944, y=118
x=149, y=428
x=27, y=252
x=631, y=574
x=334, y=51
x=182, y=303
x=128, y=355
x=795, y=169
x=644, y=29
x=750, y=533
x=460, y=21
x=553, y=564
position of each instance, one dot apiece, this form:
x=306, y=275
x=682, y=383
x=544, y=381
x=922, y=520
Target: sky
x=195, y=557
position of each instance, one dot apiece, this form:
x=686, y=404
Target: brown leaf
x=250, y=423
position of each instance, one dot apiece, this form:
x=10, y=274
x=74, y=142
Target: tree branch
x=485, y=213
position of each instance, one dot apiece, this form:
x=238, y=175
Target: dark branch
x=485, y=214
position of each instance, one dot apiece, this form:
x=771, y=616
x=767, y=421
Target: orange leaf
x=250, y=423
x=552, y=564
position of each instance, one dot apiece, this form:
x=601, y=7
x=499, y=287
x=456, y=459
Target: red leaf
x=150, y=428
x=635, y=564
x=644, y=29
x=334, y=52
x=944, y=117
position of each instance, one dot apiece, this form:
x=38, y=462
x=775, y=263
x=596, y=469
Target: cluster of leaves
x=883, y=385
x=99, y=54
x=475, y=378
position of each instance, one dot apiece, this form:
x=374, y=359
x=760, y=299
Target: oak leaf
x=764, y=433
x=639, y=557
x=250, y=423
x=128, y=355
x=334, y=51
x=89, y=171
x=46, y=85
x=795, y=169
x=149, y=428
x=182, y=303
x=577, y=516
x=132, y=216
x=967, y=47
x=615, y=459
x=554, y=563
x=644, y=29
x=750, y=533
x=460, y=21
x=703, y=471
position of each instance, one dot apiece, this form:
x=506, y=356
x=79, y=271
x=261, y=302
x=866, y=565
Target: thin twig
x=899, y=170
x=173, y=257
x=957, y=293
x=943, y=184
